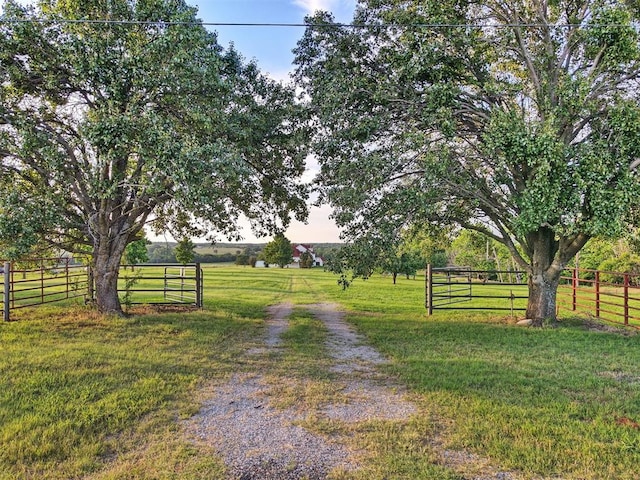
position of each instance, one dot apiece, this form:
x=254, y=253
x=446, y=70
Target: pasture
x=84, y=396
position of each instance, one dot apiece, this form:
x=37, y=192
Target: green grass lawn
x=83, y=396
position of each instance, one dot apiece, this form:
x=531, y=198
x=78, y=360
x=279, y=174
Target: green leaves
x=524, y=128
x=610, y=33
x=135, y=121
x=279, y=251
x=185, y=251
x=533, y=157
x=21, y=222
x=143, y=121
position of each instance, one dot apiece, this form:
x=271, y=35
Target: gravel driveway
x=259, y=441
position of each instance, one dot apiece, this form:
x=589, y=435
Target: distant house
x=299, y=249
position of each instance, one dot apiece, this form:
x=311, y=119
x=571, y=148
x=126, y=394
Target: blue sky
x=271, y=48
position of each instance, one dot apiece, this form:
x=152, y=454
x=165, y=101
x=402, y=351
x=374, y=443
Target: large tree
x=518, y=119
x=279, y=251
x=185, y=251
x=117, y=113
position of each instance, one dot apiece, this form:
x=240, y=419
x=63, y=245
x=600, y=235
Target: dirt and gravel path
x=260, y=441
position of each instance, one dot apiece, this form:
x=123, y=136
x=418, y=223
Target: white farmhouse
x=299, y=249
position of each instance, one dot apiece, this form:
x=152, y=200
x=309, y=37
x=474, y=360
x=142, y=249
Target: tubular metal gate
x=447, y=287
x=162, y=284
x=39, y=281
x=610, y=296
x=50, y=280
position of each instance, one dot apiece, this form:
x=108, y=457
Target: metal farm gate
x=33, y=282
x=40, y=281
x=610, y=296
x=162, y=284
x=447, y=288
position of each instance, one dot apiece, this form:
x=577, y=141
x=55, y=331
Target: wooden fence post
x=7, y=290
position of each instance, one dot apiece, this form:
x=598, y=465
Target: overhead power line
x=304, y=25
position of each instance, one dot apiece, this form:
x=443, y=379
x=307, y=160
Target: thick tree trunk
x=106, y=264
x=543, y=276
x=542, y=298
x=549, y=257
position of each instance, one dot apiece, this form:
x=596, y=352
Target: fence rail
x=50, y=280
x=610, y=296
x=162, y=284
x=40, y=281
x=613, y=297
x=445, y=288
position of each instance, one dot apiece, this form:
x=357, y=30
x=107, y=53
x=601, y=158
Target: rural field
x=85, y=396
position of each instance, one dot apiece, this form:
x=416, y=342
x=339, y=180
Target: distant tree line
x=166, y=253
x=489, y=258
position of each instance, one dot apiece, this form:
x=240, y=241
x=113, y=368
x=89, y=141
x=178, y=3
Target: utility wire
x=305, y=25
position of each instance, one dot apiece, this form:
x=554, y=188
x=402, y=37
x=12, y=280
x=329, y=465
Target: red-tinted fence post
x=626, y=299
x=597, y=284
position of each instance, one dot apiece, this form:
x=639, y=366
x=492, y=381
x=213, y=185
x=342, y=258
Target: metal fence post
x=7, y=290
x=66, y=274
x=198, y=285
x=41, y=279
x=626, y=299
x=574, y=287
x=429, y=290
x=597, y=293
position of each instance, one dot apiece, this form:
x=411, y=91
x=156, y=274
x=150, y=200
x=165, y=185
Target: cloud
x=312, y=6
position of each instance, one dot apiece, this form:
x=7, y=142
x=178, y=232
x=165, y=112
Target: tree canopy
x=136, y=252
x=278, y=251
x=185, y=251
x=518, y=119
x=108, y=126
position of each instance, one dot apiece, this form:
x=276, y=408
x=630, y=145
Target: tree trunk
x=542, y=298
x=544, y=276
x=106, y=263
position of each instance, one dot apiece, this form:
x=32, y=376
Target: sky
x=271, y=48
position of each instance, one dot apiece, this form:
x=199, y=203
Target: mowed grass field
x=85, y=396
